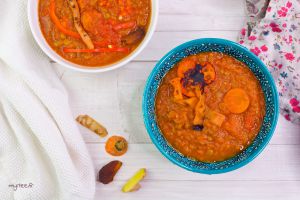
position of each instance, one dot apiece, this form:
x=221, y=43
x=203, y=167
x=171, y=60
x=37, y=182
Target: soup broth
x=210, y=107
x=100, y=33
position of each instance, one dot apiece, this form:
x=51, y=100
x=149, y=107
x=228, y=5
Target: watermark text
x=17, y=186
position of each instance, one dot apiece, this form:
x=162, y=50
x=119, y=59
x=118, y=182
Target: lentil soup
x=94, y=32
x=210, y=107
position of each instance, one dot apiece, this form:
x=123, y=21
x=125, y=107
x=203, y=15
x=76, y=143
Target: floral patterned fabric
x=273, y=34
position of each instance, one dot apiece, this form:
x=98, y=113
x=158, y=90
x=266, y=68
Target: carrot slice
x=98, y=50
x=125, y=25
x=116, y=146
x=209, y=73
x=184, y=66
x=236, y=100
x=57, y=23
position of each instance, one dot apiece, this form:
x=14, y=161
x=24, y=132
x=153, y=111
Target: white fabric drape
x=40, y=144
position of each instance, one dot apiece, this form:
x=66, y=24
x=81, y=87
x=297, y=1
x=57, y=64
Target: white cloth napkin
x=40, y=145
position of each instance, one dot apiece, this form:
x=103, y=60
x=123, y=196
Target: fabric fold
x=40, y=144
x=273, y=34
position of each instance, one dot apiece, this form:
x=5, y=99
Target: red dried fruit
x=108, y=172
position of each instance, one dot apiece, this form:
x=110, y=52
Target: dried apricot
x=108, y=172
x=116, y=146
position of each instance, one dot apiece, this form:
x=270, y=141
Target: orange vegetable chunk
x=199, y=110
x=215, y=117
x=91, y=20
x=184, y=66
x=187, y=92
x=177, y=88
x=237, y=100
x=116, y=146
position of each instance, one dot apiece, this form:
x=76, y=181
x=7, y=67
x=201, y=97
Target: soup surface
x=94, y=32
x=210, y=107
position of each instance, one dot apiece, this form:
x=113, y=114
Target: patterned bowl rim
x=204, y=41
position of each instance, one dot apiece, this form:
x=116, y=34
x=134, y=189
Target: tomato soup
x=210, y=107
x=94, y=32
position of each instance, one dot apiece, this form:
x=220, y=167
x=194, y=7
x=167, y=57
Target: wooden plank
x=195, y=190
x=277, y=162
x=180, y=15
x=162, y=42
x=171, y=22
x=95, y=95
x=202, y=7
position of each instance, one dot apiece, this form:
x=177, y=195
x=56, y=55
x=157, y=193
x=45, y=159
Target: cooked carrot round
x=116, y=146
x=236, y=100
x=184, y=66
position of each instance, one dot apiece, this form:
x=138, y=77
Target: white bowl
x=33, y=19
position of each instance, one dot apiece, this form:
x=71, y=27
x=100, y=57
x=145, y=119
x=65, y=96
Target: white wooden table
x=114, y=98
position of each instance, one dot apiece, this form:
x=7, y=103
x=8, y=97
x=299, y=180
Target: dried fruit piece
x=236, y=100
x=134, y=37
x=92, y=124
x=133, y=183
x=184, y=66
x=108, y=172
x=116, y=145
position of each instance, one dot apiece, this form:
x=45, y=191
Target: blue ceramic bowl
x=240, y=53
